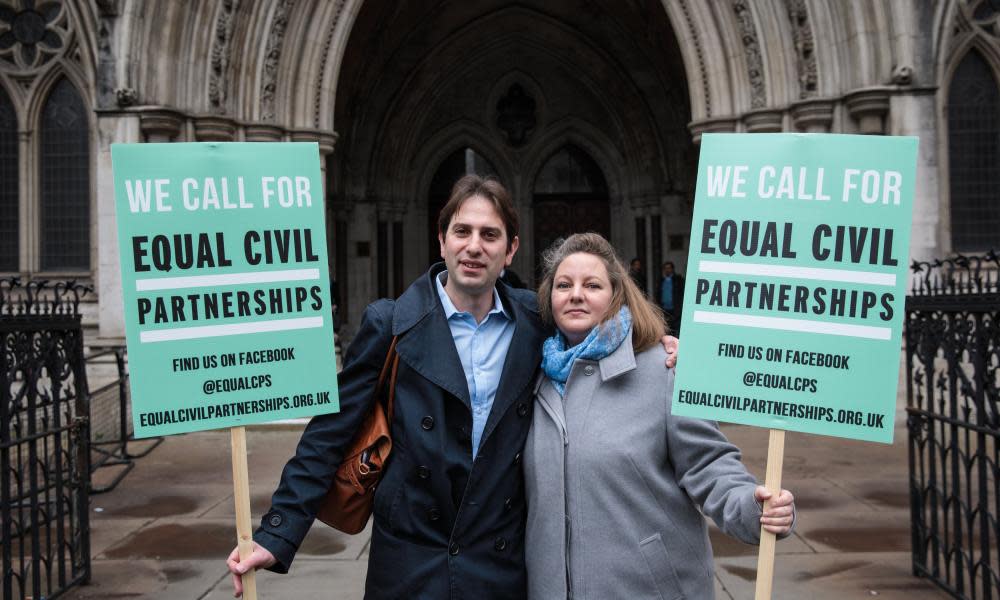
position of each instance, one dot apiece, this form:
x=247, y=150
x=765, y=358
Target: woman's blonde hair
x=647, y=320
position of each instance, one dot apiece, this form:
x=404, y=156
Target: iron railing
x=953, y=403
x=44, y=440
x=115, y=452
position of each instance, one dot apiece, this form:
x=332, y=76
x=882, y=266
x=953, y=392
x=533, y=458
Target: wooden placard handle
x=772, y=481
x=241, y=492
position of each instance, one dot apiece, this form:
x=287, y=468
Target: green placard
x=224, y=273
x=795, y=292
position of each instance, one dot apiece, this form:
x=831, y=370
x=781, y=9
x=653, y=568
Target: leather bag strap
x=391, y=365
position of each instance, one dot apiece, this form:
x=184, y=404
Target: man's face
x=668, y=270
x=636, y=266
x=475, y=247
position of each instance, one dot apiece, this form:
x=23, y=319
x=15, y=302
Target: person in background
x=638, y=275
x=671, y=296
x=614, y=480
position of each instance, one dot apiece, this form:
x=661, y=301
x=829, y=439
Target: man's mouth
x=468, y=264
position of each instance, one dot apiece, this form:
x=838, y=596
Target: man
x=671, y=296
x=637, y=274
x=449, y=512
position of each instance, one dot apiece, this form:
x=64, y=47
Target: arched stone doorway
x=570, y=196
x=583, y=116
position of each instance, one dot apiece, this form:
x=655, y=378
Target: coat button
x=433, y=514
x=522, y=409
x=588, y=370
x=517, y=458
x=423, y=472
x=275, y=520
x=453, y=549
x=427, y=423
x=508, y=503
x=500, y=544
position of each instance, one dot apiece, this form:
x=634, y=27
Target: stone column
x=646, y=212
x=212, y=128
x=327, y=141
x=915, y=113
x=763, y=121
x=721, y=125
x=160, y=124
x=868, y=107
x=112, y=127
x=813, y=116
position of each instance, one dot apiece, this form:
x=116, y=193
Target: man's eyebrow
x=489, y=228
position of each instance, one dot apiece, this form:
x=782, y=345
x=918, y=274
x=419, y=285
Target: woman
x=613, y=479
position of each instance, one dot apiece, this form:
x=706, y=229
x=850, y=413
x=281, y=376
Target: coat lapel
x=429, y=349
x=425, y=341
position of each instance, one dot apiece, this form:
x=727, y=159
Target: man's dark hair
x=485, y=187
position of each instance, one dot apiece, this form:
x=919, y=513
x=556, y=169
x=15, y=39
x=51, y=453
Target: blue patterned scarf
x=557, y=359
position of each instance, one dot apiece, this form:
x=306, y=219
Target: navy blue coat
x=445, y=526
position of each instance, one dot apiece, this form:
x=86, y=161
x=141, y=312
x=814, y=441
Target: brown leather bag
x=348, y=503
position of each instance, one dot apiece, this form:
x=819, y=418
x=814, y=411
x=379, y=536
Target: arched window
x=64, y=178
x=464, y=161
x=9, y=225
x=974, y=155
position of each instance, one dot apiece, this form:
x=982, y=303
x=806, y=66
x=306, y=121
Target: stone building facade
x=590, y=111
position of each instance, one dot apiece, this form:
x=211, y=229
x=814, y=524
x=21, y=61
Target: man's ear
x=513, y=250
x=441, y=243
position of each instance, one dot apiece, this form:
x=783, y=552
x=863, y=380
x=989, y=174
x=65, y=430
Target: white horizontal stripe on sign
x=785, y=324
x=715, y=266
x=207, y=331
x=193, y=281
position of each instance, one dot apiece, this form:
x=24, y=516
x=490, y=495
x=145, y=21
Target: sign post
x=226, y=292
x=796, y=288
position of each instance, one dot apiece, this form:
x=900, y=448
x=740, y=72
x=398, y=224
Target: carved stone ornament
x=219, y=59
x=327, y=45
x=751, y=48
x=902, y=75
x=802, y=37
x=272, y=56
x=516, y=115
x=693, y=31
x=126, y=97
x=32, y=35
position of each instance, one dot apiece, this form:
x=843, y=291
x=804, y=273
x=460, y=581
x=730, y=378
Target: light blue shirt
x=482, y=348
x=667, y=293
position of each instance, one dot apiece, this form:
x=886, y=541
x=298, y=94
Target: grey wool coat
x=614, y=482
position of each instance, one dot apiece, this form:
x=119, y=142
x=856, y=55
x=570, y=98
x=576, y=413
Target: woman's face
x=581, y=294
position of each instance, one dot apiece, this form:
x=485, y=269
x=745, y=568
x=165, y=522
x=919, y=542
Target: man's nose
x=475, y=245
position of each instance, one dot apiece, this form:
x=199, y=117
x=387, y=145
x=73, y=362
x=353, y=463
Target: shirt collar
x=449, y=306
